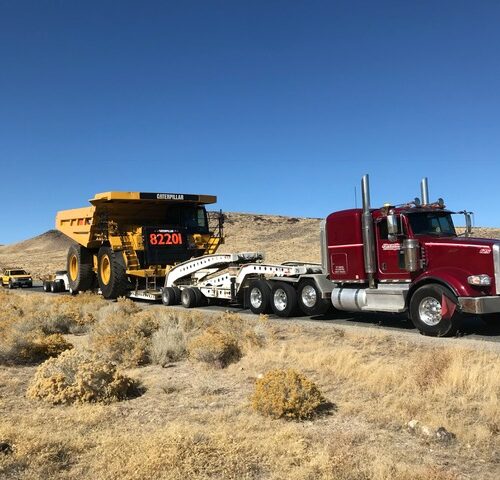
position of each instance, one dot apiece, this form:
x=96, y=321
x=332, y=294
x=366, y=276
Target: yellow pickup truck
x=16, y=277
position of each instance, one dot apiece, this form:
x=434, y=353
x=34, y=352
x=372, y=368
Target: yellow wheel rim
x=73, y=267
x=105, y=270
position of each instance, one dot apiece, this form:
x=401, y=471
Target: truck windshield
x=432, y=223
x=192, y=218
x=18, y=272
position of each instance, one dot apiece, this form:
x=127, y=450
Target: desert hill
x=281, y=238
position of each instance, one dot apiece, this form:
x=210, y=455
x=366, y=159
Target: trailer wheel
x=55, y=286
x=259, y=296
x=188, y=298
x=80, y=268
x=309, y=298
x=171, y=296
x=46, y=286
x=433, y=311
x=284, y=300
x=112, y=273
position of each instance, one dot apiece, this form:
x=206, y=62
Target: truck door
x=390, y=255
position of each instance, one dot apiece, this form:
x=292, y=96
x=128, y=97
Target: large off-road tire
x=259, y=297
x=426, y=311
x=284, y=299
x=171, y=296
x=309, y=298
x=112, y=273
x=80, y=266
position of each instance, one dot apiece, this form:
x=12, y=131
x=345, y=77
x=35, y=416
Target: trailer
x=245, y=279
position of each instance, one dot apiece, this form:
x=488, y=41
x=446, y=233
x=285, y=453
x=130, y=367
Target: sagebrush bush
x=215, y=348
x=122, y=332
x=287, y=394
x=21, y=342
x=168, y=344
x=79, y=378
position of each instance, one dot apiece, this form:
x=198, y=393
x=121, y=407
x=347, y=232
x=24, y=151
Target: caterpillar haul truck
x=126, y=242
x=404, y=258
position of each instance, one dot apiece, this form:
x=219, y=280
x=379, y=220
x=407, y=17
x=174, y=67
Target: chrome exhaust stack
x=424, y=188
x=368, y=235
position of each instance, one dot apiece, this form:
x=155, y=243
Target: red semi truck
x=404, y=258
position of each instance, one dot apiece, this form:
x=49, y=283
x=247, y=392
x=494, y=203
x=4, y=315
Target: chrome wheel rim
x=309, y=296
x=280, y=299
x=430, y=311
x=256, y=297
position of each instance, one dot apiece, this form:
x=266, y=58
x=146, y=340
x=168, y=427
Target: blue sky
x=275, y=106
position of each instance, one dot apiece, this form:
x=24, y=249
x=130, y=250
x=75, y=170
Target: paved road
x=473, y=328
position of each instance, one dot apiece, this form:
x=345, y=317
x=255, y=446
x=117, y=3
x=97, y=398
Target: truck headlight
x=479, y=280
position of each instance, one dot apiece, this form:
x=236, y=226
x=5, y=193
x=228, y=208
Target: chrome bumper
x=480, y=305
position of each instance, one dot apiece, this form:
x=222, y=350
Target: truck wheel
x=433, y=310
x=112, y=273
x=46, y=286
x=80, y=268
x=188, y=298
x=309, y=298
x=284, y=299
x=259, y=296
x=54, y=287
x=11, y=285
x=171, y=296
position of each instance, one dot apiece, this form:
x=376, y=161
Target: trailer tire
x=112, y=273
x=46, y=286
x=55, y=286
x=259, y=297
x=426, y=311
x=188, y=297
x=80, y=268
x=284, y=299
x=309, y=299
x=171, y=296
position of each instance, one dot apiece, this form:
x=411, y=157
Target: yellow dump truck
x=126, y=242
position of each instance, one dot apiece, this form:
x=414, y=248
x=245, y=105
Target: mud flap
x=448, y=307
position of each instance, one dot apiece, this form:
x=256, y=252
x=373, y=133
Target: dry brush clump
x=287, y=394
x=122, y=333
x=75, y=377
x=215, y=348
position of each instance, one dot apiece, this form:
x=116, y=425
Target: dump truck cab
x=128, y=240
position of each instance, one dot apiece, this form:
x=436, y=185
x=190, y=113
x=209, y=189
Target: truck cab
x=410, y=258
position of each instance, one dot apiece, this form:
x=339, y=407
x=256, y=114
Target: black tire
x=54, y=287
x=430, y=296
x=259, y=297
x=188, y=297
x=112, y=273
x=309, y=298
x=11, y=285
x=72, y=292
x=47, y=286
x=284, y=299
x=201, y=300
x=171, y=296
x=80, y=265
x=60, y=285
x=492, y=320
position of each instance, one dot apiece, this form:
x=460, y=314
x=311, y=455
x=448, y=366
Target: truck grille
x=496, y=261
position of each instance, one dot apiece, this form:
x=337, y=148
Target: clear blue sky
x=275, y=106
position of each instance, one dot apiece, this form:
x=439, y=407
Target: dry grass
x=76, y=377
x=287, y=394
x=197, y=423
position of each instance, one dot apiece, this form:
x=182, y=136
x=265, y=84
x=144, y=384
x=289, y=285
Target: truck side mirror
x=468, y=224
x=392, y=224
